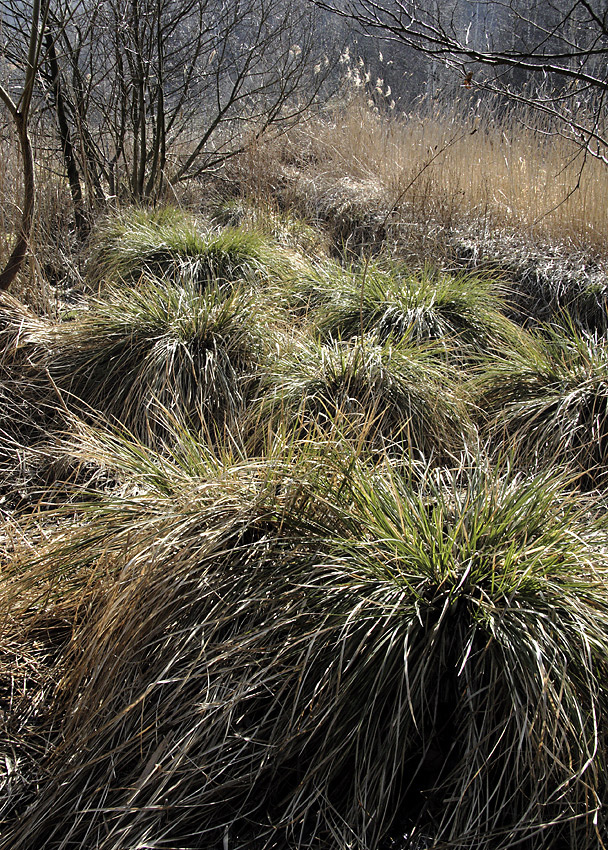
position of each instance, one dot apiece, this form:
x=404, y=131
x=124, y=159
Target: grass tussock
x=463, y=312
x=319, y=653
x=162, y=346
x=170, y=244
x=280, y=226
x=547, y=401
x=394, y=395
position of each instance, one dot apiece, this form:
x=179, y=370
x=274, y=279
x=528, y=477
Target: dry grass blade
x=20, y=329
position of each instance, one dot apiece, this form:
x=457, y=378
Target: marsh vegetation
x=303, y=491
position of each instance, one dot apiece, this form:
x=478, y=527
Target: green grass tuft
x=391, y=396
x=171, y=244
x=463, y=311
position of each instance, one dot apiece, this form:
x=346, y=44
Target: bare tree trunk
x=65, y=137
x=20, y=114
x=19, y=252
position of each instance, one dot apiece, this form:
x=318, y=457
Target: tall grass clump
x=464, y=311
x=162, y=346
x=324, y=653
x=466, y=636
x=546, y=401
x=395, y=395
x=29, y=407
x=169, y=243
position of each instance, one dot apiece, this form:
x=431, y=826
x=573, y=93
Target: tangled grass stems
x=20, y=328
x=280, y=225
x=29, y=408
x=328, y=651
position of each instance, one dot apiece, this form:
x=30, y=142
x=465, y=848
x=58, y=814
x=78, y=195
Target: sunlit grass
x=322, y=651
x=163, y=345
x=287, y=605
x=171, y=244
x=392, y=395
x=463, y=164
x=464, y=312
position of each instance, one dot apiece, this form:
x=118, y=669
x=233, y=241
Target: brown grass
x=454, y=167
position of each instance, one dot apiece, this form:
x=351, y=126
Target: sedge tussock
x=320, y=654
x=547, y=401
x=135, y=352
x=393, y=393
x=465, y=311
x=172, y=244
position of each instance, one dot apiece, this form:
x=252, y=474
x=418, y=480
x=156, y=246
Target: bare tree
x=144, y=94
x=549, y=54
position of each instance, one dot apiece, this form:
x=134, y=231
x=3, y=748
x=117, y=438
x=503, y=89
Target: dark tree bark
x=19, y=252
x=65, y=139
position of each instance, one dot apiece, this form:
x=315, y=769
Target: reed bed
x=468, y=166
